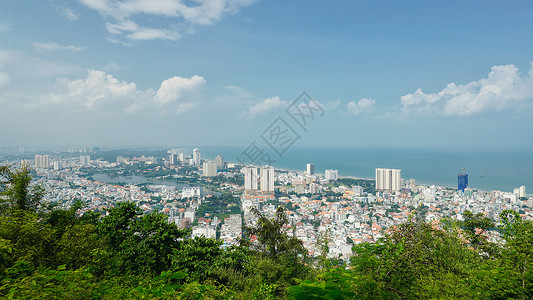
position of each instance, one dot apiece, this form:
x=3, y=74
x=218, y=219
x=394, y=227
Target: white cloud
x=144, y=34
x=102, y=91
x=183, y=107
x=361, y=106
x=67, y=13
x=111, y=66
x=173, y=88
x=502, y=89
x=134, y=32
x=55, y=47
x=239, y=92
x=98, y=87
x=59, y=86
x=204, y=12
x=264, y=106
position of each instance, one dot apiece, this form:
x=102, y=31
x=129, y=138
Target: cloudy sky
x=436, y=74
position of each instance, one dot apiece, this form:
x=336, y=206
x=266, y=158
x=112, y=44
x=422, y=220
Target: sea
x=487, y=170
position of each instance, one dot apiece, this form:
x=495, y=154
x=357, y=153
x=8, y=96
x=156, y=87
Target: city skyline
x=113, y=73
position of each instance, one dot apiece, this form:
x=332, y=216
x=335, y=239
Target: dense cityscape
x=248, y=149
x=216, y=198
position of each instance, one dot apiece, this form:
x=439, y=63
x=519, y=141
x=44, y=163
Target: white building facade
x=388, y=179
x=267, y=179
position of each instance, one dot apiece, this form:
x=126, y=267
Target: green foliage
x=475, y=226
x=57, y=283
x=335, y=283
x=139, y=243
x=272, y=240
x=323, y=239
x=277, y=258
x=18, y=193
x=58, y=254
x=410, y=261
x=225, y=204
x=25, y=238
x=264, y=292
x=77, y=245
x=517, y=255
x=198, y=257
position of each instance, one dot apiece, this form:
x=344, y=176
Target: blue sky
x=423, y=74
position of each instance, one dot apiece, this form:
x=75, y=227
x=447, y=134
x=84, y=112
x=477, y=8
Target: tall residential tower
x=196, y=156
x=310, y=169
x=388, y=180
x=267, y=179
x=250, y=178
x=462, y=181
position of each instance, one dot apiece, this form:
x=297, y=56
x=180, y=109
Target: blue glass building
x=462, y=181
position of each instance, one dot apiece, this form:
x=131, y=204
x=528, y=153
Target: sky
x=408, y=74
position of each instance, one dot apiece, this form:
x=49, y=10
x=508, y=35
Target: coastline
x=488, y=170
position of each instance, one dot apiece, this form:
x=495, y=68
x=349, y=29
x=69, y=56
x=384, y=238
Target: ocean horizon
x=487, y=170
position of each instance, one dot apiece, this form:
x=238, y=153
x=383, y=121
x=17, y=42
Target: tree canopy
x=48, y=253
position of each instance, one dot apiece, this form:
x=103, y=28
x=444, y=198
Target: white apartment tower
x=196, y=156
x=210, y=168
x=310, y=169
x=38, y=159
x=219, y=161
x=331, y=174
x=388, y=180
x=267, y=179
x=85, y=159
x=173, y=159
x=58, y=165
x=42, y=161
x=250, y=178
x=522, y=191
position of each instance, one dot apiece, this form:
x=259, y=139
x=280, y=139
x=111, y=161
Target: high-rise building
x=173, y=159
x=388, y=180
x=38, y=159
x=250, y=178
x=331, y=174
x=210, y=168
x=196, y=156
x=313, y=188
x=522, y=191
x=267, y=179
x=462, y=181
x=310, y=169
x=219, y=160
x=46, y=161
x=58, y=165
x=42, y=161
x=85, y=159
